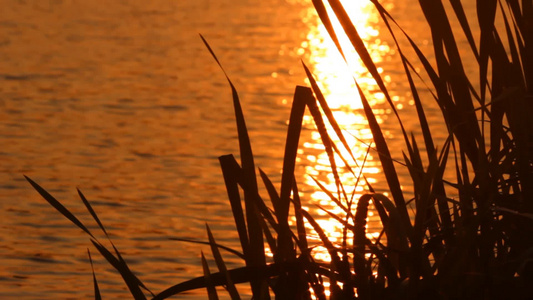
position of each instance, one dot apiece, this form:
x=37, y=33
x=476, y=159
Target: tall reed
x=468, y=237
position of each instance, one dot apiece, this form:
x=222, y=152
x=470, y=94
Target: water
x=122, y=100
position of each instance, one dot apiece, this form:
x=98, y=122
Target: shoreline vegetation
x=469, y=236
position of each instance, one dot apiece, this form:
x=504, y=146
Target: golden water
x=121, y=99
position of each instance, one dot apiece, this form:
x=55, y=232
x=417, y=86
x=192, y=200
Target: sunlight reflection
x=335, y=77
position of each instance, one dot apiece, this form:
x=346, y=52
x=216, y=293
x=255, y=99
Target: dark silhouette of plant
x=467, y=237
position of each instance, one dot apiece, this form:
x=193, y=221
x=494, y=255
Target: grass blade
x=331, y=196
x=232, y=251
x=248, y=168
x=302, y=96
x=461, y=16
x=416, y=97
x=327, y=111
x=227, y=163
x=384, y=155
x=327, y=142
x=211, y=290
x=274, y=197
x=397, y=238
x=92, y=212
x=332, y=250
x=256, y=255
x=239, y=275
x=58, y=206
x=230, y=286
x=359, y=236
x=364, y=55
x=324, y=17
x=300, y=225
x=131, y=280
x=97, y=295
x=358, y=43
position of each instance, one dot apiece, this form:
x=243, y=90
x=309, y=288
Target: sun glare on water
x=335, y=77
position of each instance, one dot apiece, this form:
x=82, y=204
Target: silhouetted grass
x=468, y=237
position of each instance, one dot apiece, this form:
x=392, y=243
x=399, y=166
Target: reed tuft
x=468, y=236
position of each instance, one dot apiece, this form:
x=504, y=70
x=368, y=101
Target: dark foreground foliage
x=467, y=237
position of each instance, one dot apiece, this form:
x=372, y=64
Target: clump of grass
x=471, y=235
x=468, y=237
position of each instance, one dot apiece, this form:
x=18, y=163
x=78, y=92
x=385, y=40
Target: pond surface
x=122, y=100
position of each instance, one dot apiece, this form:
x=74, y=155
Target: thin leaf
x=92, y=212
x=255, y=255
x=233, y=251
x=302, y=235
x=302, y=96
x=239, y=275
x=327, y=111
x=274, y=197
x=227, y=163
x=97, y=295
x=230, y=286
x=384, y=155
x=324, y=17
x=332, y=250
x=326, y=141
x=463, y=20
x=211, y=290
x=58, y=206
x=131, y=280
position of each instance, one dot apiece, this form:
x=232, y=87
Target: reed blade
x=256, y=254
x=332, y=250
x=300, y=224
x=92, y=212
x=358, y=44
x=328, y=144
x=211, y=290
x=120, y=265
x=331, y=196
x=274, y=197
x=58, y=206
x=385, y=158
x=335, y=216
x=302, y=96
x=230, y=286
x=131, y=280
x=227, y=163
x=513, y=49
x=97, y=295
x=414, y=90
x=239, y=275
x=119, y=256
x=359, y=241
x=324, y=17
x=463, y=20
x=327, y=111
x=486, y=13
x=365, y=57
x=397, y=233
x=230, y=250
